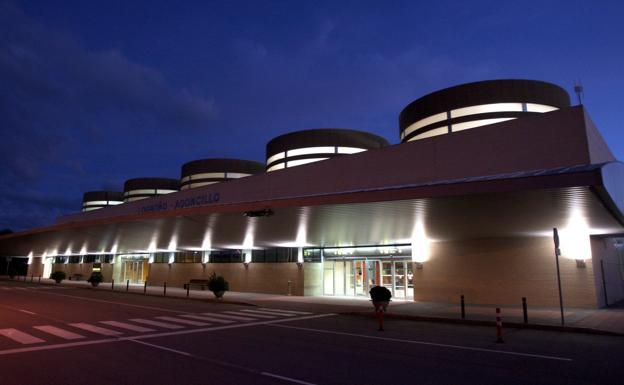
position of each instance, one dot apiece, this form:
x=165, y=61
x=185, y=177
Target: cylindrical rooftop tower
x=141, y=188
x=307, y=146
x=93, y=200
x=203, y=172
x=478, y=104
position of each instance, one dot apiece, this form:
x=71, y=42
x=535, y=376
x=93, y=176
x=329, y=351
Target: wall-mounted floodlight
x=258, y=213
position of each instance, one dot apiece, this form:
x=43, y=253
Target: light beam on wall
x=420, y=243
x=574, y=238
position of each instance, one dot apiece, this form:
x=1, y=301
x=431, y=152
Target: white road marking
x=127, y=326
x=459, y=347
x=163, y=348
x=96, y=329
x=65, y=334
x=207, y=318
x=238, y=313
x=286, y=378
x=26, y=311
x=20, y=337
x=226, y=316
x=157, y=323
x=223, y=363
x=269, y=313
x=183, y=321
x=286, y=311
x=156, y=335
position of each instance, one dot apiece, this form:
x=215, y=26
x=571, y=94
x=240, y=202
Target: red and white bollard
x=499, y=326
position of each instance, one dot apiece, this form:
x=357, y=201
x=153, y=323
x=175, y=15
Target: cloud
x=58, y=99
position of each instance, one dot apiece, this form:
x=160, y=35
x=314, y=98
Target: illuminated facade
x=470, y=212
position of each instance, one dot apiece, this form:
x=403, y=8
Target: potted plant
x=58, y=276
x=218, y=285
x=95, y=278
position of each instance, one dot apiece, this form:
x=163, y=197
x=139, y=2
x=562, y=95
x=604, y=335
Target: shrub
x=217, y=284
x=58, y=276
x=95, y=278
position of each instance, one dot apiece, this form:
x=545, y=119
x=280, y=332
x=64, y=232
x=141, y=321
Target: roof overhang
x=507, y=205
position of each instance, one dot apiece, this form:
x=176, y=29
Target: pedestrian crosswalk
x=41, y=334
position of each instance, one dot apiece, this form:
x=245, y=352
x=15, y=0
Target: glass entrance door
x=135, y=270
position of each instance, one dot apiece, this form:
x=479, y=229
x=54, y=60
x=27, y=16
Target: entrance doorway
x=355, y=277
x=134, y=270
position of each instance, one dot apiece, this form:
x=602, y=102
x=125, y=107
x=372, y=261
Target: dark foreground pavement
x=66, y=335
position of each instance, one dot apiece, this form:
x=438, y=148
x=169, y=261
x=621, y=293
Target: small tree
x=218, y=285
x=96, y=278
x=58, y=276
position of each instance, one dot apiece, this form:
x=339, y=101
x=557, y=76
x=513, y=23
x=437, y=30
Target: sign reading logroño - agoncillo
x=194, y=201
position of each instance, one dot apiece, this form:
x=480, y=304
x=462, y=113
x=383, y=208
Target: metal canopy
x=507, y=214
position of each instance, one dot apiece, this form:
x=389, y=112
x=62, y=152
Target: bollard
x=39, y=279
x=145, y=288
x=289, y=287
x=165, y=289
x=127, y=284
x=499, y=326
x=112, y=284
x=524, y=310
x=188, y=289
x=32, y=278
x=463, y=308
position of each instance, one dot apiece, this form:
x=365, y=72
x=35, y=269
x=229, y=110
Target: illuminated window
x=163, y=191
x=200, y=184
x=532, y=107
x=310, y=150
x=205, y=175
x=477, y=123
x=278, y=166
x=132, y=199
x=294, y=163
x=236, y=175
x=350, y=150
x=278, y=156
x=430, y=133
x=424, y=122
x=141, y=191
x=486, y=108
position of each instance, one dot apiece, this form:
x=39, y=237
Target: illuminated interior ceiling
x=510, y=214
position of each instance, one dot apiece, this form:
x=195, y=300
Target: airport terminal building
x=465, y=204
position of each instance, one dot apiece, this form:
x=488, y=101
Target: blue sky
x=96, y=92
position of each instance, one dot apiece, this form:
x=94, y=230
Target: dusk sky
x=96, y=92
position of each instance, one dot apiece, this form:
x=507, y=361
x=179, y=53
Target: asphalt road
x=60, y=335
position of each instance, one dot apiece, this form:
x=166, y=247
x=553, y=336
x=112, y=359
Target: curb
x=515, y=325
x=210, y=300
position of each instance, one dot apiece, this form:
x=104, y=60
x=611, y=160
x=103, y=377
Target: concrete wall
x=500, y=272
x=605, y=250
x=271, y=278
x=313, y=279
x=36, y=267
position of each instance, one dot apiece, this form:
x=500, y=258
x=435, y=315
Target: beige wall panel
x=36, y=267
x=313, y=278
x=270, y=278
x=501, y=272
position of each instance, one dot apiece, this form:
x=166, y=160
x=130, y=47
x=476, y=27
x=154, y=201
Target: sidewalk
x=607, y=321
